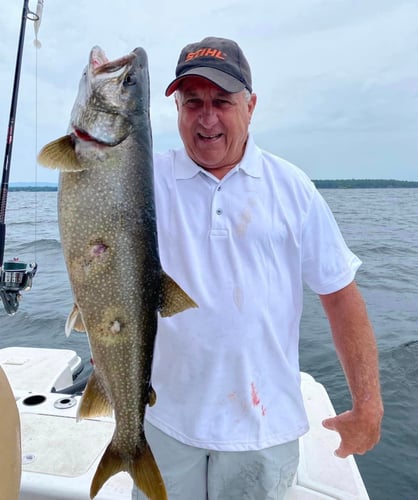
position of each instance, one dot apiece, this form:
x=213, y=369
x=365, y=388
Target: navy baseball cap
x=218, y=60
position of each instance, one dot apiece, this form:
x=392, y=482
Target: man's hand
x=359, y=432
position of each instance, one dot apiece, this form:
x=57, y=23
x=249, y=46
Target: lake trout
x=108, y=232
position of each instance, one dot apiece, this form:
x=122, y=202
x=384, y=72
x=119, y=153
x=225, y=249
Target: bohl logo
x=207, y=52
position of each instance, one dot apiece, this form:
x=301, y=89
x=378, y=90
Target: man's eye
x=192, y=102
x=222, y=103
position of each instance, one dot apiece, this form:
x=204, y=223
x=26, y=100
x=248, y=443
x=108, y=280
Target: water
x=380, y=226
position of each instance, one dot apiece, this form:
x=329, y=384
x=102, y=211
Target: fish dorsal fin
x=60, y=154
x=173, y=298
x=94, y=402
x=74, y=321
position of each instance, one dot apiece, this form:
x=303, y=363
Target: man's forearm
x=355, y=344
x=356, y=347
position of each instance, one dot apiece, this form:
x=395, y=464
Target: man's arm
x=356, y=347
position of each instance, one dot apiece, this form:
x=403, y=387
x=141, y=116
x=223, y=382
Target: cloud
x=336, y=80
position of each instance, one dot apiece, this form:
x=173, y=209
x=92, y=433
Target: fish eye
x=129, y=80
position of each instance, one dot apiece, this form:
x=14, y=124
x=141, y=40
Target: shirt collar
x=186, y=168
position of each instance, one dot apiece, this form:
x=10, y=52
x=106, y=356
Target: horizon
x=348, y=179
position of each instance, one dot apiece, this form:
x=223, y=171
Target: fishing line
x=36, y=17
x=37, y=46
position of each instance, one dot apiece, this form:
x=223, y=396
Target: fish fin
x=110, y=464
x=142, y=468
x=74, y=321
x=152, y=396
x=94, y=402
x=174, y=298
x=60, y=154
x=146, y=475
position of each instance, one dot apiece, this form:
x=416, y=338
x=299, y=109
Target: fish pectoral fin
x=173, y=298
x=60, y=154
x=142, y=468
x=94, y=402
x=74, y=321
x=152, y=396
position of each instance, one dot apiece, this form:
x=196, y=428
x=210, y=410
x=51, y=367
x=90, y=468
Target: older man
x=241, y=230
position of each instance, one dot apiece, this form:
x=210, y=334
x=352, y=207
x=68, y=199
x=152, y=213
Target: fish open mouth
x=100, y=64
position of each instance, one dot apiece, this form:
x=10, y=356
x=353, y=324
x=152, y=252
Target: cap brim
x=219, y=78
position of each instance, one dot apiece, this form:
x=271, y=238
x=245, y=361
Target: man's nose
x=208, y=115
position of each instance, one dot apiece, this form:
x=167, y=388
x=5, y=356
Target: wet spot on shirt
x=243, y=221
x=238, y=297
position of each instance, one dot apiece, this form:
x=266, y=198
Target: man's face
x=213, y=124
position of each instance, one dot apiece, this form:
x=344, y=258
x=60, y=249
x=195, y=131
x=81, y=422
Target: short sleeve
x=328, y=265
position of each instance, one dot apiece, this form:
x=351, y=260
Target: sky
x=336, y=80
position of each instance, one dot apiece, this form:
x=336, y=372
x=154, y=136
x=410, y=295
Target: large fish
x=109, y=238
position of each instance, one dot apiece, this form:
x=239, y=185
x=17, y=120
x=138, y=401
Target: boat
x=60, y=454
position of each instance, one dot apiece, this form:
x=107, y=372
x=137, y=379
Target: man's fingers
x=329, y=423
x=340, y=453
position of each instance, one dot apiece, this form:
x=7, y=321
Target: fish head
x=112, y=104
x=112, y=97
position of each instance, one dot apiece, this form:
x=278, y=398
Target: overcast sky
x=337, y=80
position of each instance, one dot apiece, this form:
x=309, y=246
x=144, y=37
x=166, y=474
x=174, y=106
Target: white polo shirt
x=227, y=374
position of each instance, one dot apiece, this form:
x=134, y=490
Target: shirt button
x=219, y=211
x=219, y=188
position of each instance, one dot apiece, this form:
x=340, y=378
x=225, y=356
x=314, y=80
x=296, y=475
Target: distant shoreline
x=364, y=184
x=36, y=189
x=320, y=184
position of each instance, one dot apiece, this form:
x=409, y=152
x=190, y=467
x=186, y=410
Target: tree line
x=363, y=184
x=320, y=184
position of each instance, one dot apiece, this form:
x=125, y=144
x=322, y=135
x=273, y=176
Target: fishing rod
x=15, y=275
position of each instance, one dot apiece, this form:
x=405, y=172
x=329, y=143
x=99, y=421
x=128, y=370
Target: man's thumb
x=329, y=423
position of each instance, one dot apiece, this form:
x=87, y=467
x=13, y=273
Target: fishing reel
x=15, y=277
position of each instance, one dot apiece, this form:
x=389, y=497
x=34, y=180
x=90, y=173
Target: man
x=241, y=230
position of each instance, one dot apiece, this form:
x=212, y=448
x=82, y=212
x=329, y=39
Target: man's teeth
x=210, y=136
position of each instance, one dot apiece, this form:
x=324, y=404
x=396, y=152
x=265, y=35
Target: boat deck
x=60, y=455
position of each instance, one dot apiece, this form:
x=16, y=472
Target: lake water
x=379, y=225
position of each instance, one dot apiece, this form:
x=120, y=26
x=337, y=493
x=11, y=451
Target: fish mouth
x=100, y=64
x=99, y=116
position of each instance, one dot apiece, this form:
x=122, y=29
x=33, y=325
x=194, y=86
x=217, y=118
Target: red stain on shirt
x=254, y=396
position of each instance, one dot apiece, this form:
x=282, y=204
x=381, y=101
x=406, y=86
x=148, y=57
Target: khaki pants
x=193, y=473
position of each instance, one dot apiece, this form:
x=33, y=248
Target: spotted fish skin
x=109, y=238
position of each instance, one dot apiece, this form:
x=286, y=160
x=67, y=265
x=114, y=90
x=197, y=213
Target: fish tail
x=110, y=464
x=142, y=468
x=146, y=475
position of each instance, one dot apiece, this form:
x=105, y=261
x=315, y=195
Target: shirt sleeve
x=328, y=265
